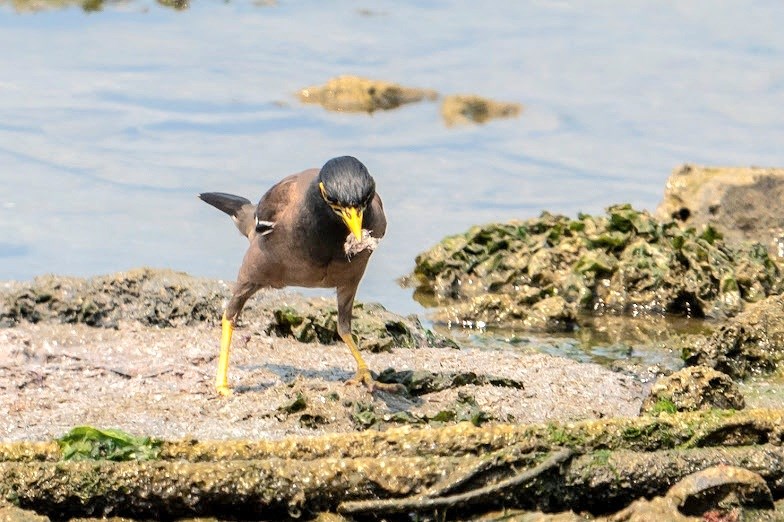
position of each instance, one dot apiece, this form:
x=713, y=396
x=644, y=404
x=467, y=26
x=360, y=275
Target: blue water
x=112, y=122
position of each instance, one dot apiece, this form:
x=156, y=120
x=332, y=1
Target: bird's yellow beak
x=352, y=217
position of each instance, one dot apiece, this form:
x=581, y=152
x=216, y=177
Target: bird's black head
x=345, y=182
x=347, y=187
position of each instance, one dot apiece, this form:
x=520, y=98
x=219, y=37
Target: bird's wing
x=376, y=220
x=274, y=202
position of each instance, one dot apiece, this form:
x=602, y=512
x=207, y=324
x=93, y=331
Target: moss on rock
x=624, y=262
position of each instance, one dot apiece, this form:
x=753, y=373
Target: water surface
x=112, y=122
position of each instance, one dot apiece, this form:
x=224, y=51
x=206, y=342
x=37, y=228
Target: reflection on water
x=644, y=342
x=112, y=122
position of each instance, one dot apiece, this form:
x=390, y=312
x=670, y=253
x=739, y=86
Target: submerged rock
x=693, y=388
x=751, y=343
x=458, y=109
x=624, y=262
x=743, y=203
x=355, y=94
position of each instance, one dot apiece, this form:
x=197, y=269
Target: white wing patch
x=264, y=227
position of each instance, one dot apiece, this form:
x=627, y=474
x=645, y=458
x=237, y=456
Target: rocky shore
x=481, y=433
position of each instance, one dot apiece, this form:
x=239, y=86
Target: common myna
x=312, y=229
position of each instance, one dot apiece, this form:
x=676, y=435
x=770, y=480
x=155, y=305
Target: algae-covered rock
x=376, y=328
x=624, y=262
x=165, y=298
x=751, y=343
x=693, y=388
x=594, y=467
x=458, y=109
x=152, y=297
x=355, y=94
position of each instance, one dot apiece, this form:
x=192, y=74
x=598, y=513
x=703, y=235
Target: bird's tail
x=241, y=210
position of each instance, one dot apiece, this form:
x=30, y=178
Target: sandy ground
x=158, y=381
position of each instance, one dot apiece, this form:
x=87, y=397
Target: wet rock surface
x=749, y=344
x=715, y=494
x=624, y=262
x=700, y=464
x=152, y=297
x=720, y=488
x=693, y=388
x=743, y=203
x=132, y=370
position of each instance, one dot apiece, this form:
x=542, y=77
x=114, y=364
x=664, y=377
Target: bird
x=315, y=229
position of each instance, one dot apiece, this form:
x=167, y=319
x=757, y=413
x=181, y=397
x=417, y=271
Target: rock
x=743, y=203
x=751, y=343
x=644, y=510
x=625, y=262
x=164, y=298
x=152, y=297
x=355, y=94
x=551, y=314
x=720, y=488
x=376, y=328
x=693, y=388
x=458, y=109
x=15, y=514
x=715, y=493
x=421, y=382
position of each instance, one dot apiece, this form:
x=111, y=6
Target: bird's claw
x=364, y=378
x=224, y=390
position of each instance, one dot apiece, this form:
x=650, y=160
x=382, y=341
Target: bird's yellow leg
x=222, y=378
x=363, y=375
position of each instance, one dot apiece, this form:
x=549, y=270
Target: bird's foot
x=224, y=390
x=364, y=378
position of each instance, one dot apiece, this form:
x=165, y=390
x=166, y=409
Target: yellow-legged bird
x=312, y=229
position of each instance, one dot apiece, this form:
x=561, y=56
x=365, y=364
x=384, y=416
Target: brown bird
x=312, y=229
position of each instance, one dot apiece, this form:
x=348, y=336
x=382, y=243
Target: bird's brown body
x=296, y=239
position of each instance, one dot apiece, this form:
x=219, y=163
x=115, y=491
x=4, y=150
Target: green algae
x=297, y=404
x=89, y=443
x=624, y=262
x=663, y=405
